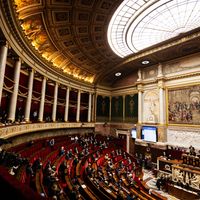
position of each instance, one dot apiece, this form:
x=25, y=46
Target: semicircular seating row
x=81, y=167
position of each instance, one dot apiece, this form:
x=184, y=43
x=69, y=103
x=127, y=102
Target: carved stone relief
x=183, y=65
x=151, y=106
x=150, y=72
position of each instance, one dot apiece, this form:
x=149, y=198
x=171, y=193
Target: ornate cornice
x=160, y=48
x=180, y=76
x=28, y=53
x=11, y=131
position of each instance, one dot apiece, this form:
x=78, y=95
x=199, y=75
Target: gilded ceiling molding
x=29, y=55
x=35, y=30
x=176, y=77
x=160, y=48
x=16, y=130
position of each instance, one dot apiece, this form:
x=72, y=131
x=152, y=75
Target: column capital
x=17, y=59
x=161, y=84
x=5, y=43
x=140, y=88
x=79, y=91
x=56, y=84
x=32, y=70
x=66, y=88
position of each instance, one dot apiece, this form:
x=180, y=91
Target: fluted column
x=127, y=143
x=67, y=104
x=140, y=104
x=94, y=99
x=89, y=107
x=42, y=100
x=78, y=106
x=13, y=102
x=55, y=102
x=29, y=97
x=161, y=103
x=160, y=78
x=3, y=58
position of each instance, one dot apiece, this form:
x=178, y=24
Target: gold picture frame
x=183, y=105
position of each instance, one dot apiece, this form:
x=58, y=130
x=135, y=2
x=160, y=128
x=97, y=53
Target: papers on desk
x=107, y=190
x=83, y=186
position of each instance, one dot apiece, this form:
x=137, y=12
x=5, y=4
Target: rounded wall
x=29, y=136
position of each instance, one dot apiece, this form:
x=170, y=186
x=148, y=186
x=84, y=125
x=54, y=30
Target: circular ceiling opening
x=138, y=24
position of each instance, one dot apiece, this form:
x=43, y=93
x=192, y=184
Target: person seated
x=131, y=196
x=192, y=151
x=54, y=190
x=61, y=151
x=76, y=160
x=129, y=160
x=11, y=171
x=29, y=170
x=106, y=157
x=52, y=143
x=37, y=164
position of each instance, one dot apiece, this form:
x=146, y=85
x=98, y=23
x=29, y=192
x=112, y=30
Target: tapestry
x=131, y=108
x=184, y=105
x=103, y=107
x=117, y=108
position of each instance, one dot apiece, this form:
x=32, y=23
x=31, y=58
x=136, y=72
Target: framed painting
x=184, y=105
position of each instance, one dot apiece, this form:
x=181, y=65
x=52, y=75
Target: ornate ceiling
x=71, y=35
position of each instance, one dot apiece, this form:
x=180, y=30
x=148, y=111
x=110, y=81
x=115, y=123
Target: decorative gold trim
x=162, y=47
x=11, y=131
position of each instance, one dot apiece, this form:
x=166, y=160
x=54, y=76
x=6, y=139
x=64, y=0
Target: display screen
x=149, y=133
x=133, y=133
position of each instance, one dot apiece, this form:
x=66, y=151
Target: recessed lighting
x=145, y=62
x=118, y=74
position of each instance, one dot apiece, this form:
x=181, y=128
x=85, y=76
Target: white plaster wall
x=184, y=138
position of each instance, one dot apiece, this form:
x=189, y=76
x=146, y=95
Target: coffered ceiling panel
x=72, y=36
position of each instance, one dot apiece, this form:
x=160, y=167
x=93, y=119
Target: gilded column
x=140, y=104
x=78, y=106
x=3, y=58
x=161, y=102
x=55, y=102
x=29, y=97
x=161, y=95
x=67, y=104
x=42, y=100
x=89, y=107
x=128, y=143
x=94, y=103
x=13, y=102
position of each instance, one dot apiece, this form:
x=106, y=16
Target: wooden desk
x=187, y=176
x=165, y=165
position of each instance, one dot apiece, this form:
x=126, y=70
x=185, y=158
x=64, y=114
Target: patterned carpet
x=150, y=180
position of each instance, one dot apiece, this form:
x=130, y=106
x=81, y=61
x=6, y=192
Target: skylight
x=138, y=24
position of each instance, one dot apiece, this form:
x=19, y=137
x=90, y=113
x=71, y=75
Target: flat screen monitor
x=133, y=133
x=149, y=133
